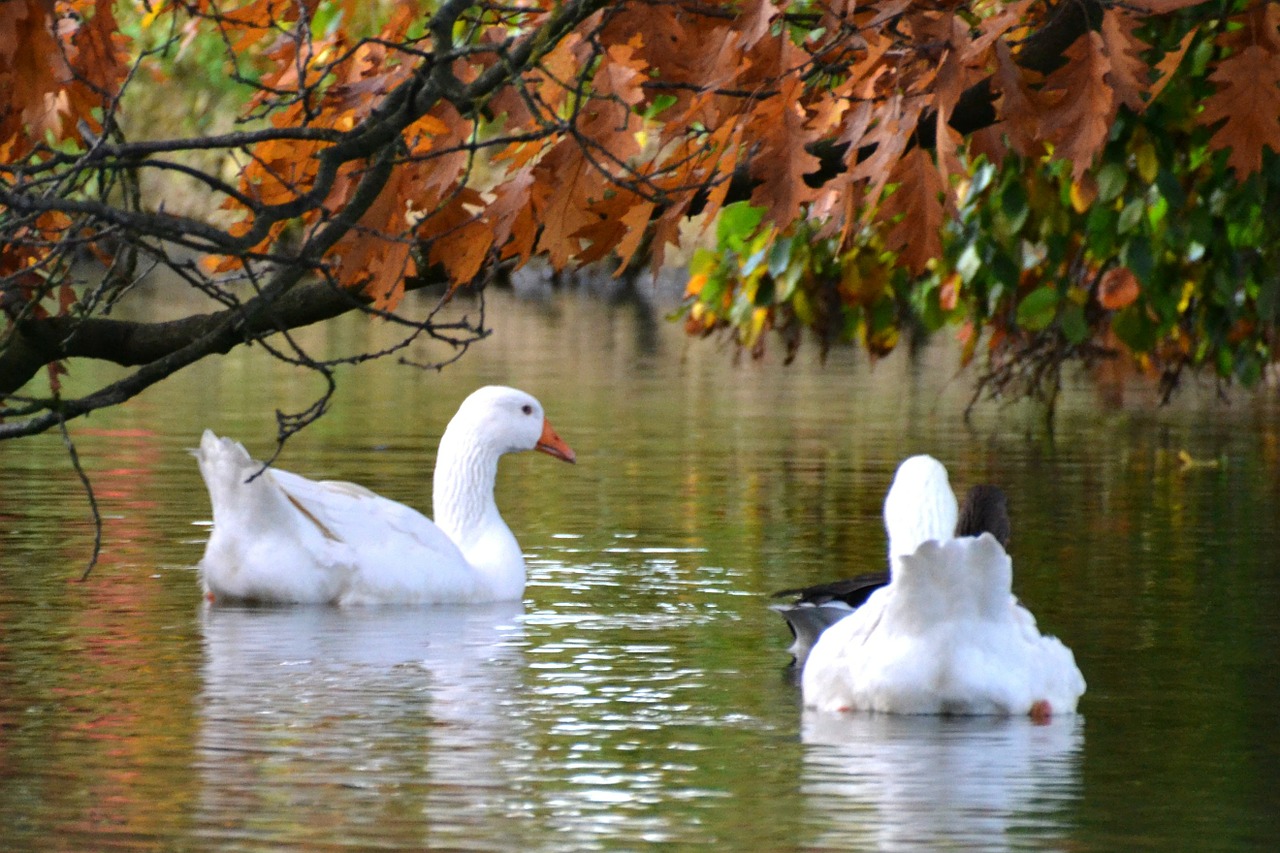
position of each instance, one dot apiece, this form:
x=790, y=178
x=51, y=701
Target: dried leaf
x=1248, y=99
x=783, y=161
x=571, y=182
x=1160, y=7
x=1129, y=74
x=1019, y=106
x=898, y=119
x=917, y=236
x=1084, y=104
x=1169, y=64
x=1118, y=288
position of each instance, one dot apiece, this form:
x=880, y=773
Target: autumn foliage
x=855, y=168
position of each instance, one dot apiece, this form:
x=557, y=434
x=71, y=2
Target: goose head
x=506, y=420
x=920, y=506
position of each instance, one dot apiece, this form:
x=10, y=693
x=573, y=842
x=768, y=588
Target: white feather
x=946, y=636
x=283, y=538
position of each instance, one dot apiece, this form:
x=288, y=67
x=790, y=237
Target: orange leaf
x=621, y=75
x=376, y=257
x=917, y=236
x=463, y=251
x=897, y=119
x=510, y=215
x=781, y=125
x=695, y=284
x=1019, y=107
x=35, y=68
x=571, y=181
x=1079, y=119
x=949, y=292
x=421, y=133
x=1248, y=98
x=1118, y=288
x=1169, y=64
x=637, y=222
x=755, y=21
x=1129, y=74
x=1160, y=7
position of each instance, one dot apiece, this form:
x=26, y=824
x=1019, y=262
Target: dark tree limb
x=1042, y=51
x=295, y=291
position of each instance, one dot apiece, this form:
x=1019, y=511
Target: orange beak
x=552, y=445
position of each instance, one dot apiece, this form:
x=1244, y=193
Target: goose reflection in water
x=312, y=717
x=893, y=782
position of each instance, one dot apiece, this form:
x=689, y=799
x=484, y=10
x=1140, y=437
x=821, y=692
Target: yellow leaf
x=1188, y=291
x=149, y=18
x=1148, y=163
x=428, y=124
x=759, y=321
x=695, y=285
x=1084, y=192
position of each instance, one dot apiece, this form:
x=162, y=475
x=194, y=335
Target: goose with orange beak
x=281, y=538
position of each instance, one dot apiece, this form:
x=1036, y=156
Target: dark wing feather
x=852, y=591
x=985, y=510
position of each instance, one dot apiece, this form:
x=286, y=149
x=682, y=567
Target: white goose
x=281, y=538
x=814, y=609
x=946, y=635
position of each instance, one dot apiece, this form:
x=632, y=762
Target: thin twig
x=88, y=490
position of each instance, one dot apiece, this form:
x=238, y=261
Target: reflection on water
x=636, y=698
x=909, y=783
x=313, y=706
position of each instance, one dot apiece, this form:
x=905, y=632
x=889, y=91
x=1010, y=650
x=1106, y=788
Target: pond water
x=639, y=695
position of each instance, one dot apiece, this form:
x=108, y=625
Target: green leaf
x=1101, y=227
x=1014, y=209
x=1037, y=308
x=1111, y=181
x=1072, y=323
x=660, y=103
x=1006, y=271
x=1226, y=361
x=1157, y=211
x=980, y=181
x=1134, y=329
x=780, y=255
x=766, y=292
x=737, y=222
x=1268, y=298
x=1136, y=255
x=1170, y=188
x=703, y=262
x=968, y=263
x=1249, y=371
x=1130, y=216
x=713, y=291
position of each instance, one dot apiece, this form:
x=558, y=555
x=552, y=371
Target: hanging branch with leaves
x=1067, y=180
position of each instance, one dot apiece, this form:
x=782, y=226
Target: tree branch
x=1042, y=51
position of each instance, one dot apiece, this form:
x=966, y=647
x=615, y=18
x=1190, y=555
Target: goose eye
x=527, y=409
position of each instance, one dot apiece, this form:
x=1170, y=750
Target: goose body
x=281, y=538
x=945, y=635
x=814, y=609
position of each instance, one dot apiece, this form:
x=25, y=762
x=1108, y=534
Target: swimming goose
x=816, y=608
x=281, y=538
x=945, y=635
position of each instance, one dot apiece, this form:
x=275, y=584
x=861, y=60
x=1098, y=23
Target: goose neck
x=462, y=487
